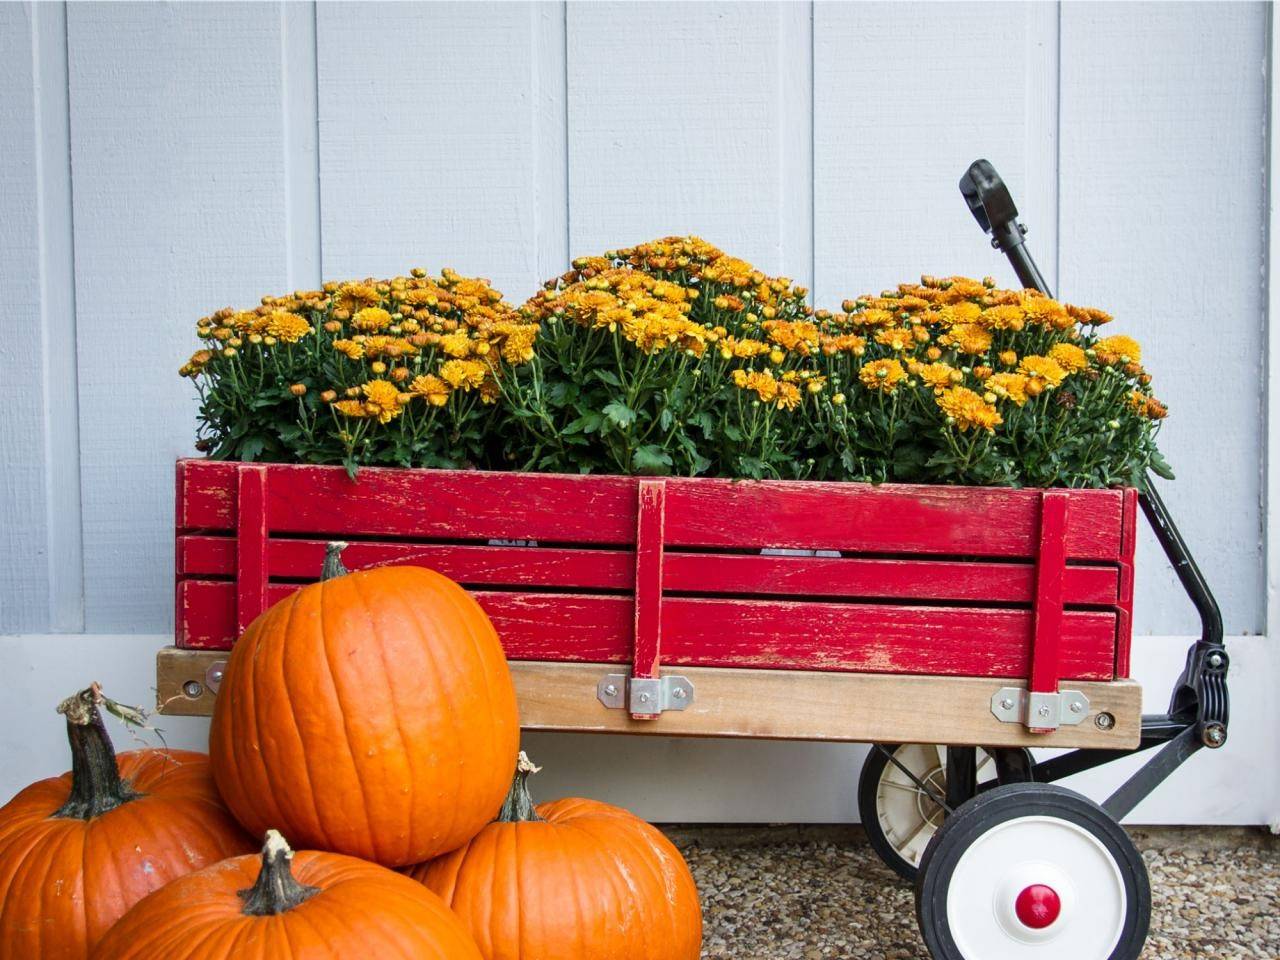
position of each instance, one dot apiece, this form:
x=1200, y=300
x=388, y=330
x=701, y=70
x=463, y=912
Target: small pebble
x=813, y=893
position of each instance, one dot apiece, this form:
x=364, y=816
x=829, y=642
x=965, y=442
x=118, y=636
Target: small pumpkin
x=571, y=879
x=371, y=713
x=77, y=851
x=278, y=906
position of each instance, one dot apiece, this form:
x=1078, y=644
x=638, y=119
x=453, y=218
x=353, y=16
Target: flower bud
x=298, y=389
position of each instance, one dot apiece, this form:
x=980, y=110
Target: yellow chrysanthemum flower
x=969, y=411
x=463, y=374
x=287, y=327
x=895, y=338
x=1006, y=317
x=939, y=376
x=371, y=320
x=351, y=408
x=1118, y=349
x=456, y=345
x=1042, y=368
x=969, y=338
x=788, y=396
x=1008, y=386
x=760, y=382
x=381, y=400
x=349, y=348
x=883, y=375
x=354, y=297
x=431, y=388
x=1069, y=357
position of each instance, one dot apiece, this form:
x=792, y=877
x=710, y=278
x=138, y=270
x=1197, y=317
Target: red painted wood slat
x=213, y=556
x=251, y=544
x=1050, y=567
x=876, y=638
x=471, y=564
x=650, y=517
x=477, y=505
x=1124, y=601
x=888, y=519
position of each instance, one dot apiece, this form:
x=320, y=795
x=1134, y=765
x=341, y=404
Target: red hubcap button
x=1037, y=906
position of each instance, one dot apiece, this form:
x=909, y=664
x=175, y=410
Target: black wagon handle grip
x=992, y=206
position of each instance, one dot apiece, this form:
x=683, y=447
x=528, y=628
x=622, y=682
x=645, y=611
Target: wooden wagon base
x=762, y=704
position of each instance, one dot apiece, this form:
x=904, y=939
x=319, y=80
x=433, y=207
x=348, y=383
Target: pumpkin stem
x=518, y=807
x=333, y=561
x=276, y=890
x=96, y=785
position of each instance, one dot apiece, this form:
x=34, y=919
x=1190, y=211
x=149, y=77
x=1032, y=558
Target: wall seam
x=1270, y=479
x=64, y=521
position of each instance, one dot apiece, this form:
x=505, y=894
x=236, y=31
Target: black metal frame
x=1200, y=707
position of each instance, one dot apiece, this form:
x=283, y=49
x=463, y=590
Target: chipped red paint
x=940, y=580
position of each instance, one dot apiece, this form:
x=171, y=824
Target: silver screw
x=1215, y=660
x=1077, y=706
x=1006, y=704
x=679, y=693
x=1104, y=721
x=193, y=689
x=1215, y=736
x=215, y=675
x=1043, y=711
x=644, y=698
x=611, y=690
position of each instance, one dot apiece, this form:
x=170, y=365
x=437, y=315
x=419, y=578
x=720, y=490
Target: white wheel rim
x=908, y=816
x=1014, y=855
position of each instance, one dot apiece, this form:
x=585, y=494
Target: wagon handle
x=992, y=206
x=1199, y=707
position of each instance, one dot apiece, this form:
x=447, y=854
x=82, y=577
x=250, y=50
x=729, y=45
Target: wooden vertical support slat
x=251, y=543
x=650, y=522
x=1124, y=601
x=1051, y=568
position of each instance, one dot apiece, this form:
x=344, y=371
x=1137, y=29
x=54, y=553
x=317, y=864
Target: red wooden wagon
x=954, y=627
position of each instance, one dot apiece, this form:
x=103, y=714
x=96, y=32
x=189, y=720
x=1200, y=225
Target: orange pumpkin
x=573, y=880
x=371, y=713
x=77, y=851
x=317, y=906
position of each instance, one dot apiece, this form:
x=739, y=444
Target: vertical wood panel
x=906, y=96
x=428, y=145
x=178, y=157
x=676, y=120
x=1163, y=131
x=23, y=533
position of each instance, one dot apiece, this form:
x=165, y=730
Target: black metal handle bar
x=1199, y=708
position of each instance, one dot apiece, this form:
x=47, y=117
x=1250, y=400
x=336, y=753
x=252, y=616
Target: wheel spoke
x=908, y=787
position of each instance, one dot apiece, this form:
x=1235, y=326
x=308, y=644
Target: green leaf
x=589, y=422
x=252, y=447
x=620, y=414
x=607, y=376
x=651, y=458
x=1160, y=466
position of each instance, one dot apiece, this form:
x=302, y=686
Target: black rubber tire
x=1009, y=802
x=868, y=780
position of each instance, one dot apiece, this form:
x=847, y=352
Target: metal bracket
x=1039, y=711
x=621, y=691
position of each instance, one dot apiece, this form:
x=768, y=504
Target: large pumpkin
x=371, y=713
x=315, y=906
x=571, y=880
x=77, y=851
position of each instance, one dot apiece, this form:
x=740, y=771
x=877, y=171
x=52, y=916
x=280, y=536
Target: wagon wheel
x=1032, y=870
x=899, y=817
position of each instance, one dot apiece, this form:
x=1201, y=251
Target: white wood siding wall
x=160, y=161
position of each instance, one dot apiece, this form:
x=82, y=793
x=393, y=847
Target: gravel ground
x=817, y=892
